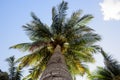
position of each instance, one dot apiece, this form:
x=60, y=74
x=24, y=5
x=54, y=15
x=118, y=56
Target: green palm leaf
x=30, y=46
x=84, y=20
x=58, y=17
x=111, y=64
x=37, y=29
x=111, y=71
x=100, y=74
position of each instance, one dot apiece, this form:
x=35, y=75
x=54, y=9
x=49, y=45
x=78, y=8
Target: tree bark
x=56, y=67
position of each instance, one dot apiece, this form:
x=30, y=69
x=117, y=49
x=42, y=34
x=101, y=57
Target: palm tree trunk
x=56, y=67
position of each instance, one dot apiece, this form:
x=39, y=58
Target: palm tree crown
x=76, y=39
x=14, y=73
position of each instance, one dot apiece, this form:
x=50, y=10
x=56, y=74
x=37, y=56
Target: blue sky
x=15, y=13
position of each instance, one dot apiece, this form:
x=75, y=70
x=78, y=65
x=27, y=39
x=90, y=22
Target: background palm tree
x=111, y=71
x=14, y=73
x=75, y=38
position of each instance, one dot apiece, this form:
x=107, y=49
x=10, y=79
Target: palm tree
x=69, y=42
x=14, y=73
x=111, y=71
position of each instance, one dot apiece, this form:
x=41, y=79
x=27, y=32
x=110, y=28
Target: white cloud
x=110, y=9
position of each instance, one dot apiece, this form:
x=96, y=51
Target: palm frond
x=33, y=75
x=30, y=46
x=74, y=19
x=30, y=59
x=111, y=71
x=111, y=64
x=100, y=74
x=87, y=38
x=54, y=13
x=22, y=46
x=68, y=29
x=36, y=71
x=83, y=29
x=28, y=77
x=18, y=75
x=74, y=64
x=76, y=33
x=36, y=29
x=83, y=20
x=62, y=10
x=84, y=56
x=59, y=17
x=38, y=68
